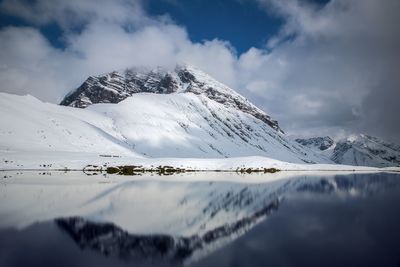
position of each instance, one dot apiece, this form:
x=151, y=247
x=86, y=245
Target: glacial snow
x=143, y=125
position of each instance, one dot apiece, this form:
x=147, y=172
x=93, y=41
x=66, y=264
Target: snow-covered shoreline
x=80, y=161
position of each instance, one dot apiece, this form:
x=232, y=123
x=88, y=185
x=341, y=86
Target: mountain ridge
x=357, y=149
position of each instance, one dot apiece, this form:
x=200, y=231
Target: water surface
x=204, y=219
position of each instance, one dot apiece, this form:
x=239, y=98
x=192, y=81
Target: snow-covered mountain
x=181, y=114
x=116, y=86
x=358, y=150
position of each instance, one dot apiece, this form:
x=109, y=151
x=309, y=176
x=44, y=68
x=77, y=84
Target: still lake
x=200, y=219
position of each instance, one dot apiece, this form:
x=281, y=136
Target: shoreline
x=206, y=171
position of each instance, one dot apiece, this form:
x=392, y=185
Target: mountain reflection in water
x=349, y=219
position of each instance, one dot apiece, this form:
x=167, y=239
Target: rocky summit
x=118, y=85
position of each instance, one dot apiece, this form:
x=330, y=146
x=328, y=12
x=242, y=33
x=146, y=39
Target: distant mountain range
x=361, y=150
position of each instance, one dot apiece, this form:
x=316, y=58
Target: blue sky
x=243, y=23
x=317, y=66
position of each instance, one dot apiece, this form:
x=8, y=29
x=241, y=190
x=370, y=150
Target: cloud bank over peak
x=331, y=68
x=112, y=35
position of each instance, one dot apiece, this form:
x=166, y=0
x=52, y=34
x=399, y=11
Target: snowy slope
x=188, y=125
x=28, y=124
x=150, y=125
x=357, y=150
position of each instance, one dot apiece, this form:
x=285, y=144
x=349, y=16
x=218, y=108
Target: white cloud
x=26, y=66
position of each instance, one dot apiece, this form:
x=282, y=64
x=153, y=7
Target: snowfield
x=150, y=130
x=28, y=124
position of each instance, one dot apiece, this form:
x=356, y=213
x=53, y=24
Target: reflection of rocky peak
x=108, y=238
x=116, y=86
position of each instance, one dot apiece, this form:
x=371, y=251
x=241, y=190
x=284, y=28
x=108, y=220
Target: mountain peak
x=116, y=86
x=356, y=149
x=320, y=143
